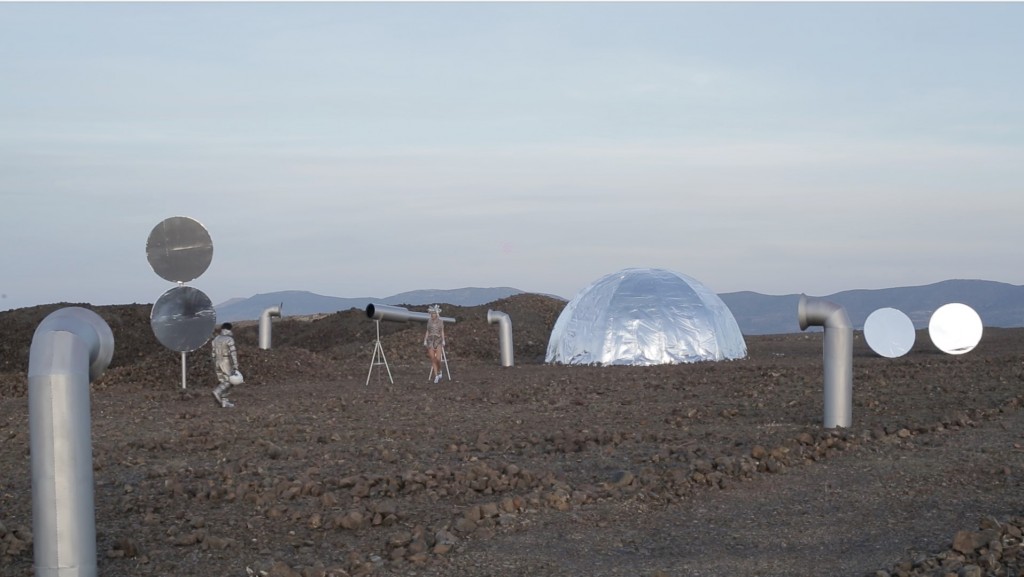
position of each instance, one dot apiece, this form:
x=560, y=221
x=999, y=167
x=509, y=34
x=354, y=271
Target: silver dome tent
x=644, y=316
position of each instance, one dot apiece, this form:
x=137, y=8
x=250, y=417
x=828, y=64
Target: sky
x=368, y=149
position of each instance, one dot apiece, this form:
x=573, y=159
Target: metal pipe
x=71, y=348
x=265, y=325
x=838, y=356
x=398, y=314
x=504, y=335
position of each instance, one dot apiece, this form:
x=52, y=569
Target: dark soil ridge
x=313, y=347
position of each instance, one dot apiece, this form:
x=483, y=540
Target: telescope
x=399, y=314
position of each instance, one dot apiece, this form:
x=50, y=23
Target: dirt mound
x=300, y=349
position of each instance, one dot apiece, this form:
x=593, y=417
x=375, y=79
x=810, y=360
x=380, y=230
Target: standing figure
x=225, y=365
x=434, y=340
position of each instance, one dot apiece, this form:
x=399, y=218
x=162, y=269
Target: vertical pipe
x=504, y=335
x=70, y=348
x=838, y=357
x=265, y=325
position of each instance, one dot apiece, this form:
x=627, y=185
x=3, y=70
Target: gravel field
x=704, y=469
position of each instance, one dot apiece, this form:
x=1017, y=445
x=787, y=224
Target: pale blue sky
x=367, y=149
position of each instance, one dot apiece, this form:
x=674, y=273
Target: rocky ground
x=716, y=469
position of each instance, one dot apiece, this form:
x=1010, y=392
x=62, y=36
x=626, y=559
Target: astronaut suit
x=225, y=362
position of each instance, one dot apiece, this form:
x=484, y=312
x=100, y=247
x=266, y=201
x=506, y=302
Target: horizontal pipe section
x=70, y=348
x=398, y=314
x=265, y=324
x=504, y=335
x=838, y=356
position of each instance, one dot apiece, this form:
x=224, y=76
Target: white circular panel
x=889, y=332
x=955, y=328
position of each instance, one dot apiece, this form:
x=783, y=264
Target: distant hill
x=301, y=303
x=998, y=304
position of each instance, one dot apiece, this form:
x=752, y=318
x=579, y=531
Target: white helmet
x=236, y=378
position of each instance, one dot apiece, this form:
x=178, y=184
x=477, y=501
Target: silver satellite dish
x=955, y=328
x=179, y=249
x=183, y=319
x=889, y=332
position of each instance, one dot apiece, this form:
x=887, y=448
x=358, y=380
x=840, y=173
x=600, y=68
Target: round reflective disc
x=183, y=319
x=179, y=249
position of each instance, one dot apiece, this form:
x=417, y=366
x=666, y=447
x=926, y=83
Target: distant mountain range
x=998, y=304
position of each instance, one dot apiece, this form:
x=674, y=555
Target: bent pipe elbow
x=84, y=324
x=70, y=348
x=504, y=335
x=398, y=314
x=265, y=328
x=814, y=312
x=837, y=354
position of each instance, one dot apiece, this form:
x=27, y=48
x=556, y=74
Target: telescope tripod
x=378, y=353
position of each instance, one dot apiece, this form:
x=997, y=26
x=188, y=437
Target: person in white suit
x=225, y=365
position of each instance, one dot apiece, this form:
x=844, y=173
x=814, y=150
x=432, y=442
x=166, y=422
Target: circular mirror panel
x=889, y=332
x=179, y=249
x=955, y=328
x=183, y=319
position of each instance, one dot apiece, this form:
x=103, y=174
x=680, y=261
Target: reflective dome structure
x=644, y=316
